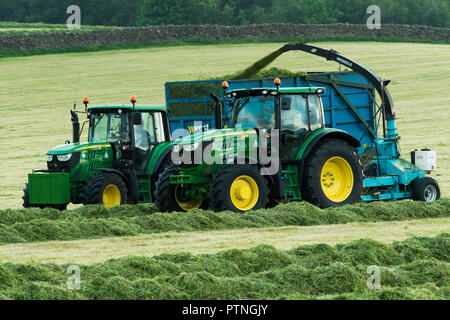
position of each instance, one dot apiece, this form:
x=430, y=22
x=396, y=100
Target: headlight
x=64, y=157
x=49, y=158
x=191, y=147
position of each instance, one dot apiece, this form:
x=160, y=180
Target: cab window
x=254, y=112
x=315, y=112
x=109, y=127
x=150, y=131
x=294, y=116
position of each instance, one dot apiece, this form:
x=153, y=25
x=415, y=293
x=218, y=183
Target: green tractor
x=128, y=146
x=219, y=169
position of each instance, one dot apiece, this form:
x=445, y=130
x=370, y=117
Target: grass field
x=37, y=93
x=292, y=251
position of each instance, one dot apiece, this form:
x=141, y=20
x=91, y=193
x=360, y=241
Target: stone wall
x=114, y=36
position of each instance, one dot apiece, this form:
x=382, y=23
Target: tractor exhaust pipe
x=75, y=126
x=218, y=111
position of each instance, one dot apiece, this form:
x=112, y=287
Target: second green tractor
x=223, y=168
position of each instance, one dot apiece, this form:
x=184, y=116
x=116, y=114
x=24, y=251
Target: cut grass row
x=31, y=225
x=89, y=251
x=416, y=268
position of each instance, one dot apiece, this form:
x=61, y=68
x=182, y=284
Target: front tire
x=426, y=189
x=26, y=197
x=333, y=175
x=106, y=189
x=169, y=197
x=238, y=188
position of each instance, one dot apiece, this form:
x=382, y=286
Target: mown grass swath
x=417, y=268
x=95, y=222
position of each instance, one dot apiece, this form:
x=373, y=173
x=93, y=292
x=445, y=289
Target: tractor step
x=144, y=188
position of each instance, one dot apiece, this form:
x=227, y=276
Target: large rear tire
x=169, y=197
x=238, y=188
x=107, y=189
x=333, y=175
x=426, y=189
x=166, y=163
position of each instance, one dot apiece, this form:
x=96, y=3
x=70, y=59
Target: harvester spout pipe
x=391, y=129
x=75, y=126
x=377, y=82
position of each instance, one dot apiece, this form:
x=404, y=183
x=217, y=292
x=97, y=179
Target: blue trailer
x=345, y=93
x=349, y=104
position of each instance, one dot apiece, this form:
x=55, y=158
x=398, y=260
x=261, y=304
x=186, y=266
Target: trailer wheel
x=426, y=189
x=333, y=175
x=238, y=188
x=105, y=188
x=169, y=197
x=27, y=204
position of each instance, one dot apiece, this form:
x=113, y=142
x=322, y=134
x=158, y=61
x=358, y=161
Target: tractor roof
x=126, y=107
x=292, y=90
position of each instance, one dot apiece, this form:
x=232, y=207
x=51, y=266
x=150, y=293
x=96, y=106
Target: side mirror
x=286, y=103
x=137, y=118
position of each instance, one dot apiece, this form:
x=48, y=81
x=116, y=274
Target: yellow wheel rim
x=187, y=206
x=111, y=196
x=337, y=179
x=244, y=193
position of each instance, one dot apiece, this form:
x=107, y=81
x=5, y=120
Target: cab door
x=301, y=114
x=147, y=134
x=294, y=124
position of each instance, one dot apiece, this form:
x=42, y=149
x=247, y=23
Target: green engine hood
x=77, y=147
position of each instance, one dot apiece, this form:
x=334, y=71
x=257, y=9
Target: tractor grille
x=91, y=156
x=63, y=166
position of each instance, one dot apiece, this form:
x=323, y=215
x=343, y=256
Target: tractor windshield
x=254, y=112
x=109, y=127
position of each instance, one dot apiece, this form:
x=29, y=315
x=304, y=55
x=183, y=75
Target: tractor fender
x=245, y=160
x=161, y=158
x=335, y=134
x=109, y=170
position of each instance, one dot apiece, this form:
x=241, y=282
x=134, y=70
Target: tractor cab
x=295, y=112
x=132, y=132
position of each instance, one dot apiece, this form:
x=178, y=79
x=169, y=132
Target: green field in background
x=37, y=92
